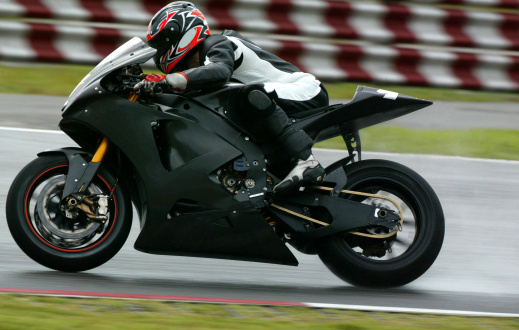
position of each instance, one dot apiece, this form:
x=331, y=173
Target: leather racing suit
x=232, y=57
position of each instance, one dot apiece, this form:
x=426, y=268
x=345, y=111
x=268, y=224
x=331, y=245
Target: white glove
x=177, y=81
x=150, y=82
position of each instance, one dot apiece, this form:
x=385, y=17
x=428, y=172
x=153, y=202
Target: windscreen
x=134, y=51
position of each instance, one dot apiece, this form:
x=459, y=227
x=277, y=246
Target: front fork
x=80, y=175
x=103, y=146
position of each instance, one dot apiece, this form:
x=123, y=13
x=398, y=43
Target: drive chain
x=350, y=192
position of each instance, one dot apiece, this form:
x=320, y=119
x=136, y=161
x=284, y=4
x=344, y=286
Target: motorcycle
x=203, y=188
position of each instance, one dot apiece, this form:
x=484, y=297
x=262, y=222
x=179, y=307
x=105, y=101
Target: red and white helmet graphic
x=175, y=31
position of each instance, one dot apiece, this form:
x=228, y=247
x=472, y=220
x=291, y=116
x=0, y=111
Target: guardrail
x=514, y=4
x=335, y=40
x=370, y=21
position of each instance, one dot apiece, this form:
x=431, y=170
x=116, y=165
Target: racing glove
x=177, y=82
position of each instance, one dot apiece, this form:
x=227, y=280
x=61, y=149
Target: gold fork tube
x=101, y=151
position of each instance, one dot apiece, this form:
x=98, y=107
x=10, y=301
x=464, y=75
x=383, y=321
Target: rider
x=194, y=59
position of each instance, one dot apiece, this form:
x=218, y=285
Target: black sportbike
x=203, y=188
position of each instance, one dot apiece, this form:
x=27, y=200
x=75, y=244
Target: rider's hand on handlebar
x=177, y=82
x=150, y=82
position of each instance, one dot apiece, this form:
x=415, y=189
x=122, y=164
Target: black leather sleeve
x=217, y=62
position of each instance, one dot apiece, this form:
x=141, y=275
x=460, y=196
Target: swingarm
x=317, y=212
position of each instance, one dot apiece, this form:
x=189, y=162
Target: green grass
x=345, y=90
x=36, y=312
x=44, y=80
x=479, y=143
x=61, y=80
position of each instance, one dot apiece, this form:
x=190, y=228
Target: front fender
x=80, y=170
x=70, y=152
x=79, y=160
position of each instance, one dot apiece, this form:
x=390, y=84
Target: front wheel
x=60, y=239
x=400, y=258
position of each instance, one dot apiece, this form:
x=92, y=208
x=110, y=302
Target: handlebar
x=135, y=76
x=127, y=81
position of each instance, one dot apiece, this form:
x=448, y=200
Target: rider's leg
x=268, y=123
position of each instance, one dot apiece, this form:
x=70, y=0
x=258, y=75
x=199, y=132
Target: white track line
x=207, y=300
x=321, y=305
x=30, y=130
x=342, y=151
x=410, y=310
x=387, y=154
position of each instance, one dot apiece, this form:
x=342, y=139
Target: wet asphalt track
x=477, y=269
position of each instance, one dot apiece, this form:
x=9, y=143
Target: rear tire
x=54, y=240
x=422, y=234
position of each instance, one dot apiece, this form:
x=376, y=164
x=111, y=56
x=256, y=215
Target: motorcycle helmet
x=175, y=31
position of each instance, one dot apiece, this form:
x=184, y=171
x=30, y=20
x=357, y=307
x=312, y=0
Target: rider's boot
x=269, y=125
x=305, y=172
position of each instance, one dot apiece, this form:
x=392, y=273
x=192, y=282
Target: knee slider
x=256, y=102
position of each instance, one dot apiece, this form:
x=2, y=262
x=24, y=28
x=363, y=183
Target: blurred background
x=462, y=54
x=449, y=43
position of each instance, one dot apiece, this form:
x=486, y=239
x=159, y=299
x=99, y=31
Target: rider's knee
x=255, y=102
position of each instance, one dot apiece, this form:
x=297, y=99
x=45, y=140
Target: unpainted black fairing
x=175, y=155
x=177, y=144
x=238, y=235
x=130, y=127
x=134, y=51
x=369, y=106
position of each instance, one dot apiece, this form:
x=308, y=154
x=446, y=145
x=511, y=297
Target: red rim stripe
x=41, y=238
x=150, y=297
x=412, y=310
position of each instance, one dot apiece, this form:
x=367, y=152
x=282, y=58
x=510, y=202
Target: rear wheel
x=56, y=237
x=400, y=258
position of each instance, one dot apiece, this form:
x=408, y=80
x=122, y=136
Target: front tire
x=55, y=240
x=363, y=261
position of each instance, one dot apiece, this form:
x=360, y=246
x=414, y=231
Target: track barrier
x=388, y=42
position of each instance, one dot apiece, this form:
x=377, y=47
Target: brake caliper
x=95, y=207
